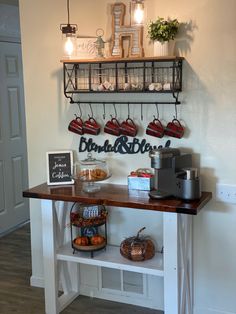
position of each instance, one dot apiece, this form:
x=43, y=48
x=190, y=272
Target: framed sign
x=59, y=167
x=86, y=48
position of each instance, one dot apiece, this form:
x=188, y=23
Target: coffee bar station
x=175, y=192
x=170, y=184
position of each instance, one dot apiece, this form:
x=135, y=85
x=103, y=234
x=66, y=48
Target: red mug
x=112, y=127
x=91, y=126
x=155, y=128
x=128, y=128
x=76, y=126
x=174, y=129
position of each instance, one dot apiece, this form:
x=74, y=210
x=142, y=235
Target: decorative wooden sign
x=86, y=48
x=122, y=145
x=120, y=32
x=59, y=167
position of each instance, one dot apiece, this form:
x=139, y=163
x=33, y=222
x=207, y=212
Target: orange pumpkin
x=97, y=239
x=81, y=241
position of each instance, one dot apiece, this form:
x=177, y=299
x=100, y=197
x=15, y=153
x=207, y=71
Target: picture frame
x=59, y=167
x=86, y=48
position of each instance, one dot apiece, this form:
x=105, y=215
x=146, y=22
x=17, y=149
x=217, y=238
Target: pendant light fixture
x=69, y=35
x=137, y=12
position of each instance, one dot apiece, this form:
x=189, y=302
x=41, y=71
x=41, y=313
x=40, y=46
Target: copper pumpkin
x=138, y=248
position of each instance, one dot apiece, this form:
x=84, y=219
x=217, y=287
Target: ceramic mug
x=174, y=129
x=91, y=126
x=112, y=127
x=155, y=128
x=76, y=126
x=128, y=128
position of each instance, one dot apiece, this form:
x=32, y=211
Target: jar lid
x=89, y=161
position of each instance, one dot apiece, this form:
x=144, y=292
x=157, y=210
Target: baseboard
x=37, y=282
x=2, y=234
x=198, y=310
x=128, y=299
x=93, y=292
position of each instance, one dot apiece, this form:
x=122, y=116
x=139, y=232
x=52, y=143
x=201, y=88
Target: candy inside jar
x=89, y=171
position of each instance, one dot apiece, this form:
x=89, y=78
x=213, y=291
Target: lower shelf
x=111, y=258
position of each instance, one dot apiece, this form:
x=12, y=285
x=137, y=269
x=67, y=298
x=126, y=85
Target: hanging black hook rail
x=127, y=102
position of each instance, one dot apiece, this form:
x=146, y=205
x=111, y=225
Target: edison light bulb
x=69, y=46
x=138, y=13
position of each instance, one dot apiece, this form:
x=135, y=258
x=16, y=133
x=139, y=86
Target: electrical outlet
x=226, y=193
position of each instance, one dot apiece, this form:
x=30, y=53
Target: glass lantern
x=69, y=40
x=137, y=12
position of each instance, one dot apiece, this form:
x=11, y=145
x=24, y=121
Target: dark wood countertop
x=116, y=195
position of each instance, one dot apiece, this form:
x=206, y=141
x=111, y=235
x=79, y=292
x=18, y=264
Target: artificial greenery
x=163, y=30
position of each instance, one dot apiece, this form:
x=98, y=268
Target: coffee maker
x=174, y=175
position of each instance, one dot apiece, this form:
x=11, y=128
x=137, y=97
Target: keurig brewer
x=174, y=175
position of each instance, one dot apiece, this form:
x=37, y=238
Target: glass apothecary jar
x=91, y=170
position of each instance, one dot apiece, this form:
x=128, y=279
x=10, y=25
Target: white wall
x=208, y=111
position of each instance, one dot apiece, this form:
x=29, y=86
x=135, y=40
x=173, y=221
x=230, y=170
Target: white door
x=14, y=209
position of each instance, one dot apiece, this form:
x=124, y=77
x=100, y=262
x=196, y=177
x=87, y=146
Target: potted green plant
x=161, y=32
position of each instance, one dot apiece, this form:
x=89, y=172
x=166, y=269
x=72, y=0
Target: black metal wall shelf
x=160, y=75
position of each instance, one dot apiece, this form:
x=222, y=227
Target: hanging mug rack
x=127, y=127
x=136, y=75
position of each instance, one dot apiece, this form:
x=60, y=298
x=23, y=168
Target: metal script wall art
x=122, y=145
x=121, y=32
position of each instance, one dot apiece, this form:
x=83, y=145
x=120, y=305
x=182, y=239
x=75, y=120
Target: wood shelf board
x=122, y=91
x=120, y=60
x=112, y=258
x=118, y=196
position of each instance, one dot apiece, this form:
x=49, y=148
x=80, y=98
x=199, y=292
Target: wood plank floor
x=17, y=296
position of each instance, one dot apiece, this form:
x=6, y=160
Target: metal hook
x=157, y=110
x=80, y=111
x=104, y=112
x=114, y=106
x=141, y=111
x=91, y=111
x=128, y=110
x=175, y=117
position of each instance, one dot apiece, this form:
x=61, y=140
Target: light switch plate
x=226, y=193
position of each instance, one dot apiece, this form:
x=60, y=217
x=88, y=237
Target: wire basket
x=87, y=216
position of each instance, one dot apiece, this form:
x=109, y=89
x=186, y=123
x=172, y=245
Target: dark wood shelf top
x=117, y=60
x=116, y=195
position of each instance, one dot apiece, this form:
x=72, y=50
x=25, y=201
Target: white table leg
x=170, y=242
x=49, y=257
x=54, y=235
x=177, y=239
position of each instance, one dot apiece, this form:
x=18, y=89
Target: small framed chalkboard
x=59, y=167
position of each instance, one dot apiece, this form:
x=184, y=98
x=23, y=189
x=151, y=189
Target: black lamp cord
x=68, y=11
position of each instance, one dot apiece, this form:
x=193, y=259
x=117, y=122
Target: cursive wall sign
x=122, y=145
x=59, y=167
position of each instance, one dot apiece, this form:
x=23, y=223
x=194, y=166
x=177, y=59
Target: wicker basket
x=137, y=248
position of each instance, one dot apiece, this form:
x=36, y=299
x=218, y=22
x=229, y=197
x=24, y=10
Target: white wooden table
x=174, y=265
